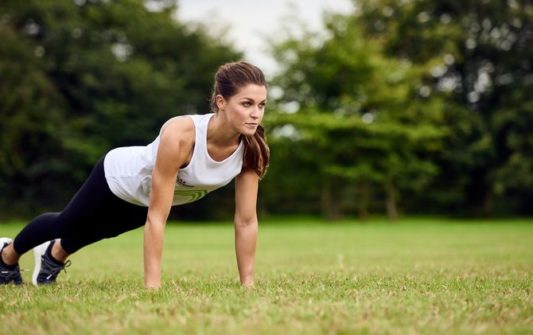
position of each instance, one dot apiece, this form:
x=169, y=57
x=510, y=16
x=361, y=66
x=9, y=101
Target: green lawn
x=414, y=277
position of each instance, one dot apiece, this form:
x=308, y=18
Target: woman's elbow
x=245, y=221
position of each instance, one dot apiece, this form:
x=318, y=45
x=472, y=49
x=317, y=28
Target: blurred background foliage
x=400, y=107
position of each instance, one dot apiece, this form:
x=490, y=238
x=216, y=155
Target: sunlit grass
x=418, y=276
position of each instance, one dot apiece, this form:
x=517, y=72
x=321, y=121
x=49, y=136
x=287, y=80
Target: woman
x=135, y=186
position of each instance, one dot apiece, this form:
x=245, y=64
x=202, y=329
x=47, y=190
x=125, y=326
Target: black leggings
x=94, y=213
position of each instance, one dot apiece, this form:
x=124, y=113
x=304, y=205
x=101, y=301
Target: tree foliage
x=81, y=77
x=480, y=57
x=421, y=102
x=400, y=106
x=359, y=116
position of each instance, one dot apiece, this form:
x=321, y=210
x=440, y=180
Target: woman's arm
x=174, y=149
x=246, y=186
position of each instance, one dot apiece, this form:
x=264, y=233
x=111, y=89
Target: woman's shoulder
x=183, y=123
x=179, y=129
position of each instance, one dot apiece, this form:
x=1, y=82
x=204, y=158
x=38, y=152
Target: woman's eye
x=246, y=104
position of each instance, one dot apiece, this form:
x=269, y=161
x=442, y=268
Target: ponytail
x=256, y=152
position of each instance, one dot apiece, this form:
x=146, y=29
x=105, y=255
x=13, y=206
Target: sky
x=251, y=23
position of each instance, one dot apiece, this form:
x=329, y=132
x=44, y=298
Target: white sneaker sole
x=38, y=252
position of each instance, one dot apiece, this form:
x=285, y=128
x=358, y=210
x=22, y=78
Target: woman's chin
x=248, y=131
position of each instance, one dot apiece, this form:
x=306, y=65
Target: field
x=414, y=277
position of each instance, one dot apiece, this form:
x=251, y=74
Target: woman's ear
x=220, y=102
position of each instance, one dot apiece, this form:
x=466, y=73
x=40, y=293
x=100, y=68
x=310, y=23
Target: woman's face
x=245, y=109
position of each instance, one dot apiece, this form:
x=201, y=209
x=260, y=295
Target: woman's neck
x=219, y=132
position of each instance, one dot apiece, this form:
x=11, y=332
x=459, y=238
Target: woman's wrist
x=247, y=281
x=152, y=284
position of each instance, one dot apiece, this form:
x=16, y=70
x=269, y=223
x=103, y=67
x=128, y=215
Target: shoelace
x=52, y=270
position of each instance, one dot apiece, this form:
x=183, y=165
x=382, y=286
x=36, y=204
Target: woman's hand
x=247, y=282
x=153, y=286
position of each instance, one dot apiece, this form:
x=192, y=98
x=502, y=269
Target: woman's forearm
x=245, y=244
x=153, y=251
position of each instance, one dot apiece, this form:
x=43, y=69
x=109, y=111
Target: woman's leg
x=93, y=213
x=41, y=229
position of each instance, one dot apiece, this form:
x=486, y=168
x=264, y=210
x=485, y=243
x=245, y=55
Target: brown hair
x=229, y=78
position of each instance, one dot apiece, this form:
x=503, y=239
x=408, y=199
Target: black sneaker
x=46, y=267
x=8, y=273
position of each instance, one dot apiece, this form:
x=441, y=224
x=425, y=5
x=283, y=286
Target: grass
x=416, y=277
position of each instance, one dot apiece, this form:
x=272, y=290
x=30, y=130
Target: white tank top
x=128, y=170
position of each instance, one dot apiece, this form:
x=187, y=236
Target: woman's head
x=231, y=77
x=240, y=93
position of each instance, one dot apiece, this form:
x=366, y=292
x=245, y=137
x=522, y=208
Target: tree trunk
x=390, y=201
x=479, y=197
x=330, y=209
x=363, y=200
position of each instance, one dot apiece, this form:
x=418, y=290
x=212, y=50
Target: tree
x=361, y=122
x=81, y=77
x=479, y=54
